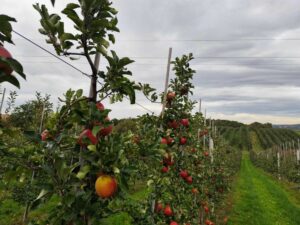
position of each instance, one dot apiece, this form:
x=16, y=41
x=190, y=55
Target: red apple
x=170, y=96
x=225, y=220
x=106, y=131
x=206, y=153
x=189, y=179
x=167, y=160
x=208, y=222
x=182, y=141
x=185, y=122
x=5, y=54
x=173, y=223
x=87, y=134
x=195, y=191
x=206, y=209
x=165, y=169
x=173, y=124
x=170, y=140
x=168, y=211
x=158, y=207
x=100, y=106
x=164, y=141
x=44, y=135
x=106, y=186
x=184, y=174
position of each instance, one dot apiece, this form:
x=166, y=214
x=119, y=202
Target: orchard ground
x=260, y=199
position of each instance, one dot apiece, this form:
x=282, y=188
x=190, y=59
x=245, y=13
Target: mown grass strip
x=260, y=200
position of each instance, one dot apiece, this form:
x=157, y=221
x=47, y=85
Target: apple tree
x=86, y=164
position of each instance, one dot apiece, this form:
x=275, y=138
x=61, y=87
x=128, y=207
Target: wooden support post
x=2, y=100
x=200, y=105
x=166, y=83
x=278, y=164
x=211, y=149
x=205, y=117
x=42, y=118
x=204, y=136
x=93, y=87
x=298, y=153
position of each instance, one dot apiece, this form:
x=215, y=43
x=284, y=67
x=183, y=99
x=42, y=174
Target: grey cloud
x=185, y=19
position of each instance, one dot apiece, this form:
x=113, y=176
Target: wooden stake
x=93, y=87
x=200, y=105
x=42, y=118
x=204, y=136
x=278, y=164
x=205, y=117
x=211, y=149
x=298, y=153
x=3, y=95
x=166, y=82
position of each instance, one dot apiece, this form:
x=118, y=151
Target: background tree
x=28, y=116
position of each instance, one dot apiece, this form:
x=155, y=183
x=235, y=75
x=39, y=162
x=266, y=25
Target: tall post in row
x=204, y=136
x=278, y=163
x=166, y=82
x=2, y=100
x=211, y=149
x=199, y=127
x=298, y=152
x=200, y=105
x=42, y=118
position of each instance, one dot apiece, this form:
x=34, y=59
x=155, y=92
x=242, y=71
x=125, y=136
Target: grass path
x=258, y=199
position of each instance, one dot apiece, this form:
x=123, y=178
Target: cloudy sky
x=247, y=54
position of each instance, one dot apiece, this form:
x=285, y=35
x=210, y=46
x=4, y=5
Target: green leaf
x=16, y=66
x=67, y=36
x=92, y=148
x=111, y=37
x=83, y=172
x=54, y=18
x=71, y=14
x=72, y=6
x=42, y=194
x=125, y=61
x=102, y=50
x=79, y=93
x=6, y=28
x=116, y=170
x=42, y=31
x=69, y=199
x=38, y=201
x=60, y=28
x=10, y=79
x=100, y=24
x=7, y=18
x=95, y=130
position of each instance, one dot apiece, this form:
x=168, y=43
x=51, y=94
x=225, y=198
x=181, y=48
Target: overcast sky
x=247, y=54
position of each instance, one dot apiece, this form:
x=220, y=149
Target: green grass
x=10, y=212
x=259, y=199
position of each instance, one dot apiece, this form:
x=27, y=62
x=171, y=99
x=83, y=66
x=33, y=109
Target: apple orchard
x=165, y=171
